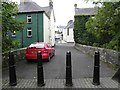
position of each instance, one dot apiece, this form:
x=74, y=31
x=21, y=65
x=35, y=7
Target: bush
x=96, y=44
x=80, y=33
x=112, y=44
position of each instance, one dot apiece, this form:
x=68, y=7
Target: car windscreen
x=38, y=45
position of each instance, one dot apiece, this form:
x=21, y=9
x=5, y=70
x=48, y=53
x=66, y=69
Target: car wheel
x=54, y=53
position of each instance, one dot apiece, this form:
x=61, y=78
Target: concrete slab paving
x=105, y=82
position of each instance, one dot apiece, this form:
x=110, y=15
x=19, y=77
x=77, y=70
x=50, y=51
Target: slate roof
x=33, y=7
x=48, y=10
x=70, y=24
x=85, y=11
x=29, y=7
x=61, y=27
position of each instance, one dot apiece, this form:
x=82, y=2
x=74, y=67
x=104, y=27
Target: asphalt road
x=82, y=66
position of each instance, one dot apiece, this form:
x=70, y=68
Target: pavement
x=62, y=41
x=105, y=83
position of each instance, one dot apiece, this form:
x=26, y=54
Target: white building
x=59, y=33
x=68, y=34
x=50, y=33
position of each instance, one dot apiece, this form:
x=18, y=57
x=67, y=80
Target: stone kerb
x=107, y=55
x=19, y=54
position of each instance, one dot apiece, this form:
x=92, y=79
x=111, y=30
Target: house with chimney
x=39, y=23
x=68, y=33
x=81, y=16
x=85, y=11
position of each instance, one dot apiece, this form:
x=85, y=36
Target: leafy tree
x=80, y=34
x=9, y=25
x=105, y=25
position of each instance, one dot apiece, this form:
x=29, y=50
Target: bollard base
x=96, y=83
x=69, y=85
x=41, y=85
x=12, y=84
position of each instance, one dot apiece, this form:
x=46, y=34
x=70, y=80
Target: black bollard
x=40, y=76
x=68, y=69
x=12, y=72
x=96, y=76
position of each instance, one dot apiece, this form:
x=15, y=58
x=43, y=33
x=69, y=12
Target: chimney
x=75, y=5
x=50, y=3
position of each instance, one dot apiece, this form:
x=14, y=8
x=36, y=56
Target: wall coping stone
x=106, y=55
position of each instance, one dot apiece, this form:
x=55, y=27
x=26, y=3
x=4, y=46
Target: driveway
x=82, y=66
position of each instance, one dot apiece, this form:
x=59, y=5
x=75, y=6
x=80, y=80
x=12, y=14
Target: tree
x=105, y=25
x=80, y=34
x=9, y=25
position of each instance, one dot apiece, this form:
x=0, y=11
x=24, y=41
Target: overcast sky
x=64, y=9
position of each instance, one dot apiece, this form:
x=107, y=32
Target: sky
x=63, y=9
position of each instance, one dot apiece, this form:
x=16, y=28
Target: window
x=14, y=17
x=29, y=19
x=29, y=32
x=50, y=46
x=68, y=31
x=92, y=17
x=37, y=45
x=14, y=34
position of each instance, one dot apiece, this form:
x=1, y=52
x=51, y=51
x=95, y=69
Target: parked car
x=46, y=49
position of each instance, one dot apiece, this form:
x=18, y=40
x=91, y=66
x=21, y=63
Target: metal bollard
x=40, y=75
x=96, y=76
x=12, y=71
x=68, y=69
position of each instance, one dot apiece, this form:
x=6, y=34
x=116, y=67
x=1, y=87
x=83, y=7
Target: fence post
x=12, y=71
x=96, y=73
x=40, y=75
x=68, y=69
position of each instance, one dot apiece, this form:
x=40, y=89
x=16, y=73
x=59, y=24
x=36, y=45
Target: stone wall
x=19, y=55
x=106, y=55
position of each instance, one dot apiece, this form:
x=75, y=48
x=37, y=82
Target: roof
x=61, y=27
x=85, y=11
x=29, y=7
x=48, y=10
x=70, y=24
x=26, y=7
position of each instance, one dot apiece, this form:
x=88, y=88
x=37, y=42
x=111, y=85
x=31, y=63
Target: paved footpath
x=105, y=82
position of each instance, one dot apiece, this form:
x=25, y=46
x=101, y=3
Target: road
x=82, y=66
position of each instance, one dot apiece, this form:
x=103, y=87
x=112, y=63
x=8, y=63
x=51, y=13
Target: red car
x=45, y=48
